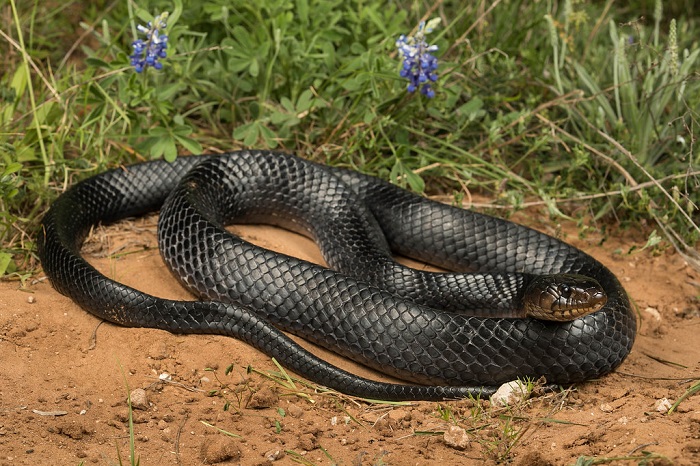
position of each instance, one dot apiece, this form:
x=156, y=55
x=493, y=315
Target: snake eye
x=565, y=290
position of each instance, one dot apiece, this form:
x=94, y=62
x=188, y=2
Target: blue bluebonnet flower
x=419, y=64
x=149, y=51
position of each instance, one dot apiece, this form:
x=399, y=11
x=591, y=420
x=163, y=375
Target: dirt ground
x=64, y=379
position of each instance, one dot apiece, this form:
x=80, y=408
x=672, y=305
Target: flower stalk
x=419, y=63
x=149, y=51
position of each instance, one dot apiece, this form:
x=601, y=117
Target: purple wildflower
x=419, y=64
x=149, y=51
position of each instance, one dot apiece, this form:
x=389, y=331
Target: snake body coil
x=401, y=328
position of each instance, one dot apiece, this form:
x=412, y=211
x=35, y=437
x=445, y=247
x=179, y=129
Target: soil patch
x=64, y=378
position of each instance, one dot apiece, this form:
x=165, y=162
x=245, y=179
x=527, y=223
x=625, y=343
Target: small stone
x=263, y=398
x=683, y=408
x=653, y=313
x=654, y=324
x=219, y=450
x=307, y=442
x=606, y=408
x=273, y=455
x=662, y=405
x=31, y=299
x=139, y=399
x=510, y=393
x=398, y=415
x=158, y=351
x=695, y=417
x=456, y=437
x=75, y=431
x=535, y=458
x=295, y=411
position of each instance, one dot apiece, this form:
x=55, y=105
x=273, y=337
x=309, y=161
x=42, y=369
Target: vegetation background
x=590, y=107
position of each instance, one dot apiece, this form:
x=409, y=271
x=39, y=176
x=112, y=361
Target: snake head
x=563, y=297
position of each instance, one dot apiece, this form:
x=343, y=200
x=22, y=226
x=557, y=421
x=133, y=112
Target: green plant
x=133, y=458
x=580, y=114
x=637, y=103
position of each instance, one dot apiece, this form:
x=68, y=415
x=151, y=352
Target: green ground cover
x=590, y=108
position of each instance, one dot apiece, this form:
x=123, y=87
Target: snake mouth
x=563, y=297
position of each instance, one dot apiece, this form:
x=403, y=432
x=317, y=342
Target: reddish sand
x=64, y=378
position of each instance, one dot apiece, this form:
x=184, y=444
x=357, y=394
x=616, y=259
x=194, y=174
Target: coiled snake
x=414, y=325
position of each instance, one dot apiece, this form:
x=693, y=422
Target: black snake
x=406, y=328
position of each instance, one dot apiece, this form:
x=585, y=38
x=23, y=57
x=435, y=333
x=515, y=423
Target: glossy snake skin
x=399, y=325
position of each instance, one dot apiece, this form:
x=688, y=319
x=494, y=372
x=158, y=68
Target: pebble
x=399, y=415
x=695, y=417
x=456, y=437
x=653, y=313
x=273, y=455
x=263, y=398
x=510, y=393
x=654, y=323
x=31, y=299
x=335, y=420
x=295, y=411
x=139, y=399
x=662, y=405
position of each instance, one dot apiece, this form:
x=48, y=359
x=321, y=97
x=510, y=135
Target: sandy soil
x=64, y=379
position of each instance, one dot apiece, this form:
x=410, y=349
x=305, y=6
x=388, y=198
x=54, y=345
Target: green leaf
x=247, y=133
x=269, y=136
x=175, y=14
x=189, y=144
x=158, y=131
x=305, y=101
x=27, y=152
x=303, y=12
x=254, y=68
x=5, y=263
x=472, y=109
x=415, y=181
x=164, y=147
x=12, y=167
x=143, y=15
x=19, y=84
x=170, y=153
x=402, y=176
x=97, y=63
x=168, y=92
x=41, y=115
x=287, y=104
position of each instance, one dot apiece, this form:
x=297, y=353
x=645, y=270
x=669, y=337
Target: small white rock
x=273, y=455
x=606, y=408
x=653, y=313
x=662, y=405
x=165, y=377
x=31, y=299
x=456, y=437
x=510, y=393
x=139, y=399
